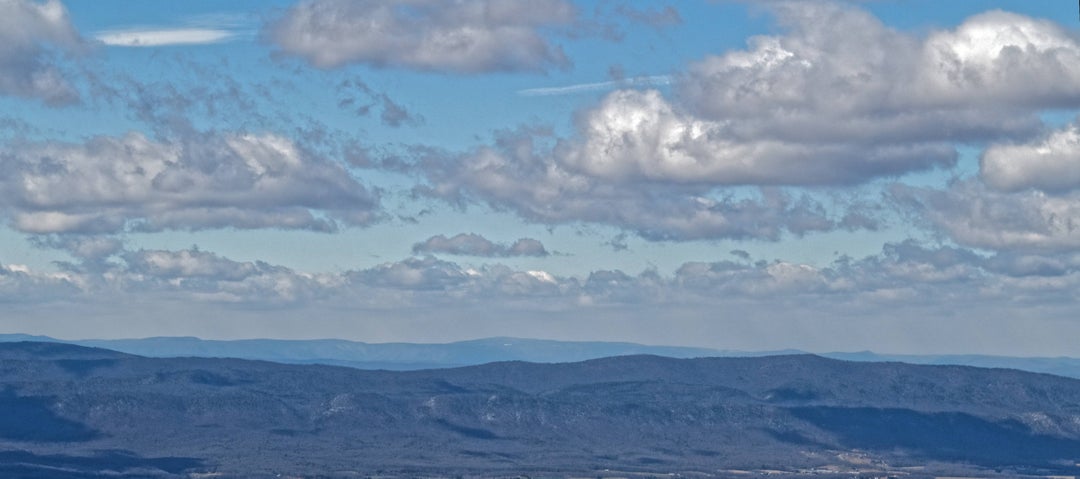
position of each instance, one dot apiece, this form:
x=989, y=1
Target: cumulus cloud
x=20, y=284
x=426, y=273
x=901, y=271
x=1024, y=205
x=91, y=252
x=471, y=244
x=901, y=292
x=765, y=279
x=908, y=264
x=186, y=264
x=837, y=61
x=205, y=276
x=1001, y=57
x=972, y=214
x=30, y=35
x=640, y=135
x=1022, y=265
x=466, y=36
x=207, y=180
x=841, y=98
x=1051, y=163
x=1026, y=198
x=838, y=100
x=517, y=173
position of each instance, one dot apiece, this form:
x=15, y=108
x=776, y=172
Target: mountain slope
x=84, y=411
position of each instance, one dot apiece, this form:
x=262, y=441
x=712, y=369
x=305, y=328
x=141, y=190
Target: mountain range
x=412, y=356
x=73, y=411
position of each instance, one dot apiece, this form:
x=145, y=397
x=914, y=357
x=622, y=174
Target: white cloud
x=1003, y=58
x=90, y=249
x=973, y=215
x=467, y=36
x=806, y=305
x=164, y=37
x=839, y=99
x=640, y=135
x=28, y=31
x=20, y=284
x=471, y=244
x=1051, y=163
x=519, y=175
x=839, y=61
x=413, y=274
x=204, y=276
x=1025, y=200
x=112, y=184
x=842, y=93
x=186, y=264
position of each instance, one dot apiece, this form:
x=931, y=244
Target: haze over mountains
x=71, y=411
x=411, y=356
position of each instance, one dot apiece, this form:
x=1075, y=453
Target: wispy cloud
x=655, y=80
x=203, y=29
x=156, y=37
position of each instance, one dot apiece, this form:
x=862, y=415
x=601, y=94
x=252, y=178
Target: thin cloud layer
x=163, y=37
x=134, y=183
x=471, y=244
x=665, y=17
x=359, y=98
x=31, y=33
x=646, y=81
x=469, y=36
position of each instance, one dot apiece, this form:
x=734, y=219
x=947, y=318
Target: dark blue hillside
x=62, y=405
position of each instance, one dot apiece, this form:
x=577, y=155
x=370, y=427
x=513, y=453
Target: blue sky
x=894, y=176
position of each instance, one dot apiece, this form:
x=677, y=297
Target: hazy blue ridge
x=413, y=356
x=404, y=356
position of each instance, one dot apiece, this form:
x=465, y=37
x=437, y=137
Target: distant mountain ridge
x=412, y=356
x=395, y=356
x=67, y=411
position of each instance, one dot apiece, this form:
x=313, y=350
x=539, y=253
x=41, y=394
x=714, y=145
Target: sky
x=895, y=176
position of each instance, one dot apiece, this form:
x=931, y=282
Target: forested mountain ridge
x=86, y=412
